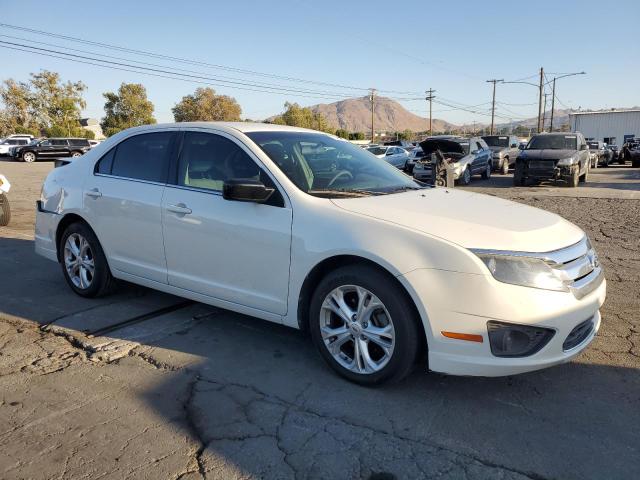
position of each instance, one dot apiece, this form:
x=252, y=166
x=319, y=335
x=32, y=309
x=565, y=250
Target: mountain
x=354, y=115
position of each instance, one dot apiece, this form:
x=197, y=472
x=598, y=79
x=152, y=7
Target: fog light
x=511, y=340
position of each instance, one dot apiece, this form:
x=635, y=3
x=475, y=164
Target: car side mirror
x=246, y=190
x=474, y=152
x=584, y=147
x=514, y=145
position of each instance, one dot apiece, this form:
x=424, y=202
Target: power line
x=169, y=76
x=212, y=80
x=190, y=61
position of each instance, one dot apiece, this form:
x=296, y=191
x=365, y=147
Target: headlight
x=524, y=271
x=567, y=161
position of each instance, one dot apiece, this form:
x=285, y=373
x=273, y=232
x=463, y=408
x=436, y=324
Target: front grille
x=578, y=335
x=542, y=164
x=578, y=266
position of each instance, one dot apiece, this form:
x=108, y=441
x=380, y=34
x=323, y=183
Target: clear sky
x=403, y=46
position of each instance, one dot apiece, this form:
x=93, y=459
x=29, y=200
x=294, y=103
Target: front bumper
x=550, y=171
x=459, y=302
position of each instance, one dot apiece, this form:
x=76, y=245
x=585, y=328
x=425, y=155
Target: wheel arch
x=327, y=265
x=67, y=220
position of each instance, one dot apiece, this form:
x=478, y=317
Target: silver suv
x=505, y=151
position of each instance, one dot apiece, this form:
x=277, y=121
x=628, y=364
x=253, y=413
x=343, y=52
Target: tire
x=518, y=175
x=486, y=175
x=76, y=154
x=404, y=341
x=29, y=157
x=5, y=210
x=573, y=179
x=585, y=176
x=635, y=163
x=465, y=178
x=100, y=282
x=505, y=166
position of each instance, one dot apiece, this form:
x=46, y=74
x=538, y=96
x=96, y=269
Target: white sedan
x=381, y=270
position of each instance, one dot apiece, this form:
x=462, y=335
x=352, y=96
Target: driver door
x=238, y=252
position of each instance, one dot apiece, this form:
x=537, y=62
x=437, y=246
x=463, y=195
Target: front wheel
x=29, y=157
x=505, y=166
x=486, y=175
x=518, y=175
x=83, y=262
x=5, y=210
x=585, y=176
x=465, y=178
x=364, y=325
x=573, y=178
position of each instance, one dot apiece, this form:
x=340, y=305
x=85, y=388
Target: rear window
x=143, y=157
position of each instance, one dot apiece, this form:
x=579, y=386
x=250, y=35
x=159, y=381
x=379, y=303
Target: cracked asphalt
x=145, y=385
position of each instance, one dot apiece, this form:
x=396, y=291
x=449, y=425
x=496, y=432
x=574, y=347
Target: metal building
x=612, y=127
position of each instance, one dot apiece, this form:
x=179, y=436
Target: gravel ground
x=189, y=391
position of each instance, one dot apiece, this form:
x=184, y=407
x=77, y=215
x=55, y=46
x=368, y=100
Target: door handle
x=180, y=208
x=94, y=192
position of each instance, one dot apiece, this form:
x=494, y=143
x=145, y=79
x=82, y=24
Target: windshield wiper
x=346, y=192
x=407, y=188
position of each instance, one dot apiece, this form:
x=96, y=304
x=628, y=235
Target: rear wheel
x=29, y=157
x=5, y=210
x=364, y=325
x=76, y=154
x=83, y=262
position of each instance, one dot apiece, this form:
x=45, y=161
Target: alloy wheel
x=357, y=329
x=79, y=261
x=29, y=157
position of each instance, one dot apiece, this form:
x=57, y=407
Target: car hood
x=471, y=220
x=498, y=149
x=547, y=154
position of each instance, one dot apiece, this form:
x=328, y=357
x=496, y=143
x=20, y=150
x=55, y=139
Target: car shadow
x=260, y=403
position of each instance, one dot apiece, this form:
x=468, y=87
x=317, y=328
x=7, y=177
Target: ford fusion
x=305, y=229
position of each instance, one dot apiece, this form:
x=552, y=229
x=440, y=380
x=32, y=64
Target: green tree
x=44, y=102
x=205, y=105
x=127, y=108
x=357, y=136
x=342, y=133
x=297, y=116
x=405, y=135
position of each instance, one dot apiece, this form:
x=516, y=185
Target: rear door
x=123, y=199
x=59, y=148
x=238, y=252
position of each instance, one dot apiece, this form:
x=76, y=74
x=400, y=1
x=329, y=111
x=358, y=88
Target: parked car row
x=47, y=148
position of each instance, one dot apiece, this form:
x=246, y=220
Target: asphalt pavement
x=145, y=385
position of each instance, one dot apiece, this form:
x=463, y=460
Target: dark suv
x=53, y=148
x=553, y=156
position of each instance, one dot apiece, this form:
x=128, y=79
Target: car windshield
x=325, y=166
x=553, y=142
x=377, y=150
x=496, y=141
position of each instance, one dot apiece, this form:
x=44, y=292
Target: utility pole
x=540, y=99
x=544, y=110
x=553, y=102
x=493, y=102
x=429, y=98
x=372, y=99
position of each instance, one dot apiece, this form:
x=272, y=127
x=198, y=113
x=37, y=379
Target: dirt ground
x=145, y=385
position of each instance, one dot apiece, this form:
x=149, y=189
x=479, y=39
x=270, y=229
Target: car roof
x=244, y=127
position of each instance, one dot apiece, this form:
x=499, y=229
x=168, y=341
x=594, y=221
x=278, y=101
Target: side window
x=59, y=143
x=45, y=143
x=143, y=157
x=105, y=163
x=208, y=160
